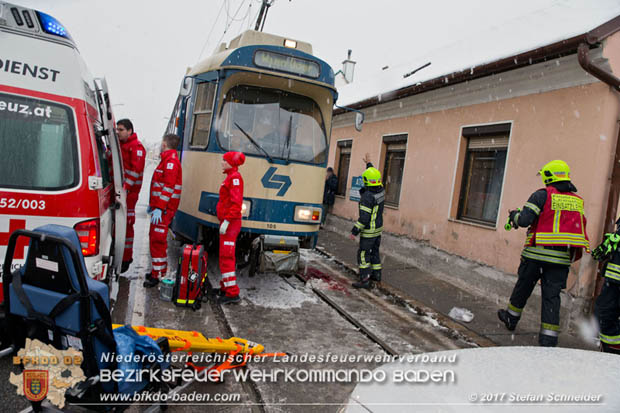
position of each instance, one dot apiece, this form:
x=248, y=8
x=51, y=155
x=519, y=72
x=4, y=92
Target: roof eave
x=551, y=51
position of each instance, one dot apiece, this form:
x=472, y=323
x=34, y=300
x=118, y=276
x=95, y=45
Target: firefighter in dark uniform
x=607, y=306
x=369, y=226
x=555, y=239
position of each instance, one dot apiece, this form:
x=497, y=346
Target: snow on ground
x=559, y=21
x=268, y=290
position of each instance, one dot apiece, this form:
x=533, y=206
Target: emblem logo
x=36, y=384
x=272, y=181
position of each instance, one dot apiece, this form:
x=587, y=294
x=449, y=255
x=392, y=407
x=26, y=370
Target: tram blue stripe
x=263, y=210
x=187, y=225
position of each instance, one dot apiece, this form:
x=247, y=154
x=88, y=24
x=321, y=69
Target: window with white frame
x=483, y=173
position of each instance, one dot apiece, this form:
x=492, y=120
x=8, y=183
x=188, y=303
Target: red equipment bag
x=191, y=276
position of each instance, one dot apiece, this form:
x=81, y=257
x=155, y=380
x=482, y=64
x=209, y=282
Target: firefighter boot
x=547, y=341
x=610, y=348
x=509, y=320
x=364, y=282
x=376, y=276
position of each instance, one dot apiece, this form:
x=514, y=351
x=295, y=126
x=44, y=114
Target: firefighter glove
x=156, y=217
x=514, y=217
x=224, y=227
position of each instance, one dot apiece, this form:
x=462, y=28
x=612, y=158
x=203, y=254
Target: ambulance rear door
x=120, y=206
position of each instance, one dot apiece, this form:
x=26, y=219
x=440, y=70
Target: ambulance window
x=104, y=154
x=38, y=144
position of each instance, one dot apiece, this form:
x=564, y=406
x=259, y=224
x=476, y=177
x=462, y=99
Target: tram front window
x=284, y=125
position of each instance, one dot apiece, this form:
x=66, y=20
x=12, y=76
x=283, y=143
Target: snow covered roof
x=561, y=21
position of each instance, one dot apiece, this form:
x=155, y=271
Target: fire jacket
x=134, y=156
x=231, y=196
x=557, y=224
x=167, y=183
x=370, y=221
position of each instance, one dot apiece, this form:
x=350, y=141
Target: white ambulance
x=61, y=161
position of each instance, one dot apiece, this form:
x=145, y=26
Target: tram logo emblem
x=272, y=181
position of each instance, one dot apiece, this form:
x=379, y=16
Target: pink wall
x=611, y=51
x=575, y=124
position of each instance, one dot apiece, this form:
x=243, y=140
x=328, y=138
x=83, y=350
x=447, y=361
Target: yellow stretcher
x=193, y=341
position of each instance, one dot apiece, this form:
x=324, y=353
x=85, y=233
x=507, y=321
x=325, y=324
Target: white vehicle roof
x=35, y=59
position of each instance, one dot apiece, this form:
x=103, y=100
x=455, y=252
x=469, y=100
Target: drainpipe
x=614, y=188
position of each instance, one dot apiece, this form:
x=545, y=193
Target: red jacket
x=134, y=156
x=167, y=183
x=231, y=196
x=561, y=222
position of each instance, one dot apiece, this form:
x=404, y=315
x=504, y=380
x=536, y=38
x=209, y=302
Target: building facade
x=458, y=152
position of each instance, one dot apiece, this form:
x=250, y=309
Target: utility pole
x=262, y=15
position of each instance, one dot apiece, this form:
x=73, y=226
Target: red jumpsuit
x=166, y=188
x=134, y=156
x=229, y=209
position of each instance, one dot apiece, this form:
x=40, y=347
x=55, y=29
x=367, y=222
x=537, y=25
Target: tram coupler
x=278, y=254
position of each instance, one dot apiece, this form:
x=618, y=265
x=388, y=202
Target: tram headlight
x=307, y=214
x=290, y=43
x=245, y=208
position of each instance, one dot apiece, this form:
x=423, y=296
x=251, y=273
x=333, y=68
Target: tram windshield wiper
x=254, y=142
x=288, y=139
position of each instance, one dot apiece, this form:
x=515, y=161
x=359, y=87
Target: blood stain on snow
x=312, y=275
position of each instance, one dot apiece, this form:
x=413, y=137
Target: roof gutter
x=593, y=38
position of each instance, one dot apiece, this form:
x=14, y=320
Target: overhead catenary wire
x=254, y=17
x=245, y=18
x=231, y=21
x=233, y=18
x=211, y=31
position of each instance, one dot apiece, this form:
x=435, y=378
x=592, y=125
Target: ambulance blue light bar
x=52, y=26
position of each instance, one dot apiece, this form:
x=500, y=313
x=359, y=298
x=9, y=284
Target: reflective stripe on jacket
x=231, y=196
x=134, y=157
x=561, y=223
x=370, y=221
x=167, y=183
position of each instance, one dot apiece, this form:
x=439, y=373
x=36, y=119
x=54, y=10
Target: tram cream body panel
x=202, y=173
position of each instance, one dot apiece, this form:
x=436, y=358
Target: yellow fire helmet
x=372, y=177
x=555, y=171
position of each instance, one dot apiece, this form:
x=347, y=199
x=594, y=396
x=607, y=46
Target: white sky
x=143, y=47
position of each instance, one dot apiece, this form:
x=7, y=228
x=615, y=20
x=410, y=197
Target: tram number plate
x=271, y=226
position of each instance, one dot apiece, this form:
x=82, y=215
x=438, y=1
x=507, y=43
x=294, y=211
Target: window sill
x=473, y=224
x=340, y=196
x=391, y=206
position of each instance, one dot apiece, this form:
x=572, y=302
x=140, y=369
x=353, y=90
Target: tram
x=268, y=97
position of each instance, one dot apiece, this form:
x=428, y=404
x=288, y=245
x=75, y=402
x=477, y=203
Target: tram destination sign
x=285, y=63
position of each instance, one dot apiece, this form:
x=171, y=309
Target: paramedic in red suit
x=134, y=156
x=164, y=200
x=229, y=215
